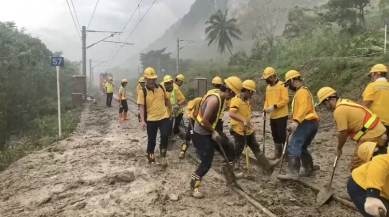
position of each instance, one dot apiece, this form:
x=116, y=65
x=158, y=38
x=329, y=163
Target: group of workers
x=161, y=107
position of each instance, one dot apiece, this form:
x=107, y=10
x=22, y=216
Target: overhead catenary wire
x=134, y=28
x=118, y=37
x=94, y=10
x=75, y=14
x=73, y=19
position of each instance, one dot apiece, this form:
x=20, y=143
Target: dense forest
x=28, y=88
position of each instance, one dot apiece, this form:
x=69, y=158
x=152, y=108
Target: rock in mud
x=173, y=197
x=125, y=176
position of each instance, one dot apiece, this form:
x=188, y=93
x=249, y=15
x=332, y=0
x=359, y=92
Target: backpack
x=145, y=95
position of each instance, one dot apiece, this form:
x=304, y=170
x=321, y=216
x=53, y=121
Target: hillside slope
x=192, y=25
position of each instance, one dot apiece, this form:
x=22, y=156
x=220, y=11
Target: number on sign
x=57, y=61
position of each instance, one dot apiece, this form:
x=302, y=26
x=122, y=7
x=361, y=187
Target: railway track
x=271, y=199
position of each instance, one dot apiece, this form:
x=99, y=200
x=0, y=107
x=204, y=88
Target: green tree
x=220, y=30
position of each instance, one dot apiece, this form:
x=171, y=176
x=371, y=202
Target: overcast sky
x=50, y=20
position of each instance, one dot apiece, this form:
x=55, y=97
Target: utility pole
x=84, y=47
x=178, y=51
x=178, y=54
x=84, y=58
x=90, y=73
x=138, y=72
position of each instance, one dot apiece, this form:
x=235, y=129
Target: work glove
x=269, y=109
x=216, y=136
x=372, y=206
x=292, y=126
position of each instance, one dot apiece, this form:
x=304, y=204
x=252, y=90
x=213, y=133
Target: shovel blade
x=228, y=175
x=273, y=177
x=172, y=144
x=324, y=195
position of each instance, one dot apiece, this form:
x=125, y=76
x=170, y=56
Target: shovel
x=170, y=145
x=264, y=133
x=228, y=171
x=275, y=173
x=246, y=150
x=326, y=192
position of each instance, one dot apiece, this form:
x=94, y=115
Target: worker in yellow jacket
x=240, y=116
x=353, y=120
x=276, y=104
x=123, y=106
x=191, y=110
x=179, y=102
x=303, y=127
x=155, y=113
x=139, y=87
x=205, y=136
x=109, y=91
x=376, y=94
x=368, y=185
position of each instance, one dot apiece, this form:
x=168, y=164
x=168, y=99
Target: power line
x=75, y=14
x=92, y=14
x=118, y=37
x=73, y=19
x=134, y=28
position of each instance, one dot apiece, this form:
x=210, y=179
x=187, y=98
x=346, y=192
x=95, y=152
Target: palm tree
x=221, y=30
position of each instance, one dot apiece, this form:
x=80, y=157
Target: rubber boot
x=163, y=157
x=265, y=163
x=184, y=147
x=307, y=163
x=125, y=117
x=237, y=164
x=293, y=169
x=194, y=186
x=226, y=171
x=277, y=151
x=151, y=158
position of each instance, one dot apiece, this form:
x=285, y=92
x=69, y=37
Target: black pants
x=152, y=129
x=177, y=122
x=358, y=196
x=109, y=99
x=205, y=147
x=240, y=142
x=123, y=106
x=387, y=141
x=278, y=129
x=188, y=135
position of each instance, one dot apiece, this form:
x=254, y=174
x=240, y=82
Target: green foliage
x=28, y=87
x=220, y=30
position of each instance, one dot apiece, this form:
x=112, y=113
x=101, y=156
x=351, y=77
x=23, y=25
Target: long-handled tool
x=275, y=173
x=264, y=132
x=326, y=192
x=228, y=170
x=246, y=150
x=170, y=145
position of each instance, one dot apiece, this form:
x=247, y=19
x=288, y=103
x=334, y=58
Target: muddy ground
x=101, y=170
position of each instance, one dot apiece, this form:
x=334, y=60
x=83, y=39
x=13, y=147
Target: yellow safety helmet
x=124, y=80
x=141, y=79
x=180, y=77
x=378, y=68
x=291, y=74
x=109, y=78
x=217, y=80
x=269, y=71
x=249, y=85
x=234, y=83
x=324, y=93
x=167, y=78
x=149, y=73
x=366, y=150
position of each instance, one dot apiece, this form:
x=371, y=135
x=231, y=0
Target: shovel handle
x=333, y=172
x=264, y=132
x=246, y=152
